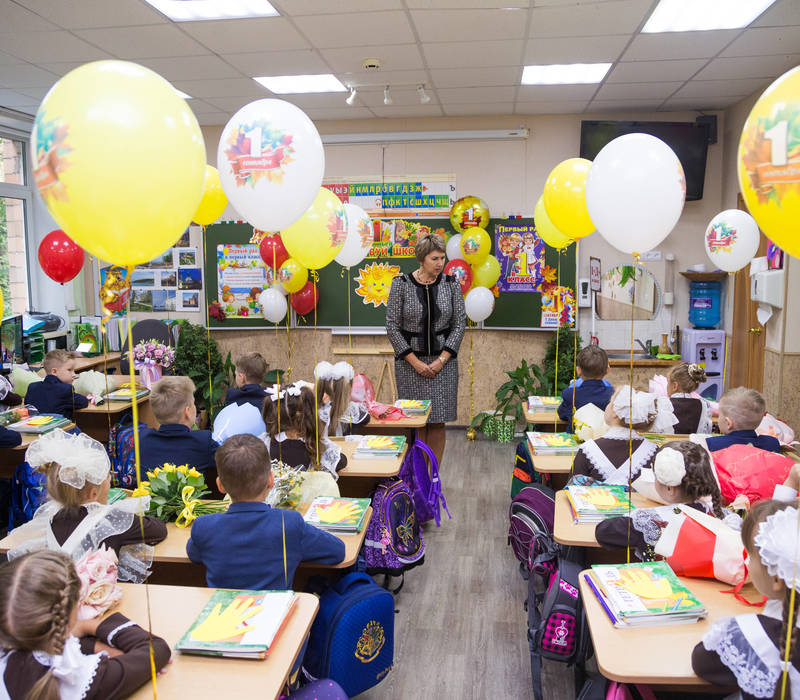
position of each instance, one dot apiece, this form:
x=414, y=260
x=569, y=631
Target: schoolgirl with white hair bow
x=337, y=411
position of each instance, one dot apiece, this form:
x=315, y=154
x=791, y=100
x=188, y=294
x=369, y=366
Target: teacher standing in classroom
x=425, y=322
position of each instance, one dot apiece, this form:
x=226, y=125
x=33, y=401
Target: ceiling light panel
x=297, y=84
x=703, y=15
x=198, y=10
x=564, y=73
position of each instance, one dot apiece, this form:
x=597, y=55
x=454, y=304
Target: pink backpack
x=362, y=391
x=629, y=691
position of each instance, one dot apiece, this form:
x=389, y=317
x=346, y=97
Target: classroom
x=378, y=348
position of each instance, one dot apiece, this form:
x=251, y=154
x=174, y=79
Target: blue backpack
x=120, y=451
x=352, y=638
x=28, y=492
x=420, y=471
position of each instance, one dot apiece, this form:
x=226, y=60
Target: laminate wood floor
x=461, y=628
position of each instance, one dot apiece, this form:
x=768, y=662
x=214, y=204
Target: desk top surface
x=629, y=655
x=28, y=438
x=409, y=423
x=84, y=363
x=567, y=531
x=174, y=608
x=374, y=467
x=545, y=416
x=112, y=406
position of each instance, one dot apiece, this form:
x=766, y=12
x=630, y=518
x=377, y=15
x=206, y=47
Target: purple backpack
x=393, y=541
x=420, y=471
x=530, y=531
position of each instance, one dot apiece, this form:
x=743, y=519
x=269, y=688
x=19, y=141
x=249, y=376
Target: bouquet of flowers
x=176, y=493
x=286, y=492
x=99, y=590
x=151, y=352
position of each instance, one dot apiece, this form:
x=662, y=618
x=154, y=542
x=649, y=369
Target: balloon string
x=471, y=373
x=314, y=278
x=349, y=323
x=790, y=623
x=208, y=339
x=636, y=258
x=104, y=339
x=288, y=350
x=574, y=373
x=731, y=275
x=558, y=335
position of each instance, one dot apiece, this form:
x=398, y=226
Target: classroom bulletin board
x=535, y=291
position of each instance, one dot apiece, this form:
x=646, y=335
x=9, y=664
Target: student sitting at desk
x=252, y=545
x=685, y=413
x=591, y=366
x=250, y=371
x=682, y=472
x=740, y=412
x=172, y=400
x=9, y=438
x=334, y=386
x=621, y=453
x=55, y=394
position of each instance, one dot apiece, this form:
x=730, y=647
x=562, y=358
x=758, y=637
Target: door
x=748, y=336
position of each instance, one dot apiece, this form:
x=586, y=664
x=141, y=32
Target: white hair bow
x=634, y=406
x=341, y=370
x=274, y=392
x=80, y=457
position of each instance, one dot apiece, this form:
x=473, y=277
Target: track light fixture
x=351, y=100
x=386, y=99
x=424, y=97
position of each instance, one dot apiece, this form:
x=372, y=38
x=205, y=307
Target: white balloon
x=479, y=304
x=270, y=161
x=635, y=192
x=359, y=237
x=273, y=305
x=453, y=250
x=732, y=239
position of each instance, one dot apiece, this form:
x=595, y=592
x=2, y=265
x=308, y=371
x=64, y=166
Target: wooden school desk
x=545, y=419
x=173, y=609
x=111, y=361
x=94, y=420
x=659, y=655
x=12, y=457
x=404, y=426
x=360, y=476
x=567, y=531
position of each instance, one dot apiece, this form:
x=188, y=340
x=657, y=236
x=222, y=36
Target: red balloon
x=305, y=300
x=273, y=252
x=461, y=270
x=60, y=257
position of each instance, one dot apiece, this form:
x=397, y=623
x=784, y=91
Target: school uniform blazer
x=596, y=391
x=54, y=396
x=243, y=547
x=744, y=437
x=177, y=444
x=9, y=438
x=247, y=393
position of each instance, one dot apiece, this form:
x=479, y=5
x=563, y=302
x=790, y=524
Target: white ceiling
x=469, y=54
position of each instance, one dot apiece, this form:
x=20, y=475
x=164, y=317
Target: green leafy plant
x=567, y=347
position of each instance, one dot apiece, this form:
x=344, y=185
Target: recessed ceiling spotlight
x=386, y=99
x=351, y=100
x=197, y=10
x=424, y=97
x=693, y=16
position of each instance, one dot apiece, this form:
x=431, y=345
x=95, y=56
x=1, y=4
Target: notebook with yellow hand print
x=345, y=515
x=591, y=504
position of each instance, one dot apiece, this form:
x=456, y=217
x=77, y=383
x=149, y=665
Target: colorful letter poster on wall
x=424, y=197
x=520, y=252
x=241, y=277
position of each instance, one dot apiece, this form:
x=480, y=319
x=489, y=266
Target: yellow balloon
x=487, y=273
x=317, y=236
x=565, y=197
x=292, y=275
x=475, y=245
x=2, y=302
x=469, y=212
x=214, y=200
x=769, y=160
x=545, y=229
x=119, y=160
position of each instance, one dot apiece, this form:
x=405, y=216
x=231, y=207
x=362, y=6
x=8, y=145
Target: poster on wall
x=396, y=238
x=427, y=196
x=241, y=277
x=558, y=306
x=520, y=252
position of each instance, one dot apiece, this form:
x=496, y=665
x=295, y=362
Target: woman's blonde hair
x=429, y=243
x=37, y=595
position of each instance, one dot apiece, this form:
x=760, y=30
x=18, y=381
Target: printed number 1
x=523, y=263
x=778, y=137
x=255, y=142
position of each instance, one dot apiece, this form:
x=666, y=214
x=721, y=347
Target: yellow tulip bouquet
x=176, y=493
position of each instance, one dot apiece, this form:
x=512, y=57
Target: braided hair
x=699, y=480
x=38, y=593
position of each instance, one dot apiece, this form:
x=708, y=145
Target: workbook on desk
x=414, y=407
x=552, y=443
x=238, y=624
x=543, y=403
x=643, y=595
x=592, y=504
x=40, y=424
x=386, y=446
x=126, y=394
x=342, y=515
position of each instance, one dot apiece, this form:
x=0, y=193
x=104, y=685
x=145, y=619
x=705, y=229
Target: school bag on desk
x=420, y=472
x=744, y=470
x=121, y=452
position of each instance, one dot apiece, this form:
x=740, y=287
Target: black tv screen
x=687, y=139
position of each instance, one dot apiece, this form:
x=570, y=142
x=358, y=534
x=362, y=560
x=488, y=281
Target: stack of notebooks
x=264, y=615
x=552, y=443
x=543, y=403
x=41, y=424
x=342, y=515
x=414, y=407
x=644, y=595
x=124, y=393
x=592, y=504
x=380, y=446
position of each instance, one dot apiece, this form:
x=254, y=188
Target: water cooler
x=706, y=347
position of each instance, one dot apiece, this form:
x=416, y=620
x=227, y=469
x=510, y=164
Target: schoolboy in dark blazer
x=55, y=393
x=591, y=366
x=250, y=371
x=740, y=413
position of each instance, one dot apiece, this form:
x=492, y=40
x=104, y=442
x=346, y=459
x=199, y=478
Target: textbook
x=41, y=424
x=414, y=407
x=372, y=446
x=115, y=494
x=125, y=393
x=552, y=443
x=238, y=624
x=344, y=515
x=592, y=504
x=539, y=403
x=643, y=595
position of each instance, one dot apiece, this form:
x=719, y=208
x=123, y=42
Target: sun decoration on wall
x=375, y=281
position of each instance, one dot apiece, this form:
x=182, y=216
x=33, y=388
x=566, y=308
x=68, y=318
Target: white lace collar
x=619, y=433
x=621, y=474
x=74, y=670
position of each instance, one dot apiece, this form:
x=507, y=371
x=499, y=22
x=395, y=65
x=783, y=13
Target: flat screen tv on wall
x=687, y=139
